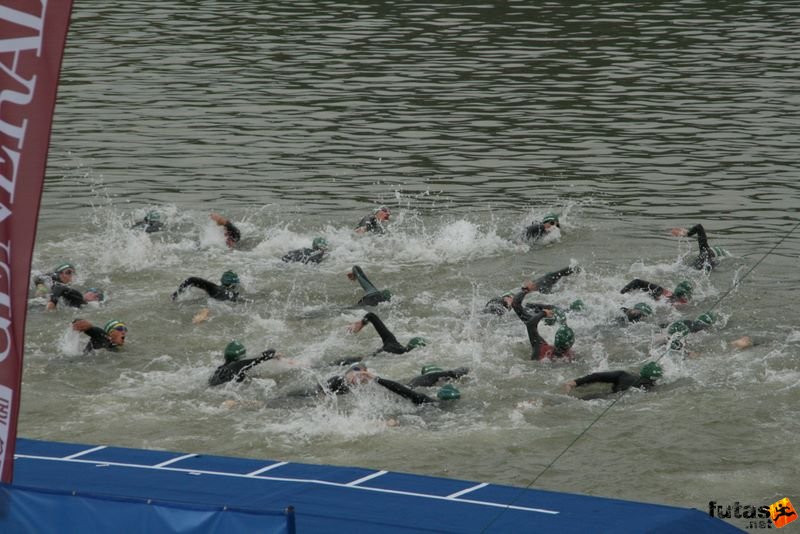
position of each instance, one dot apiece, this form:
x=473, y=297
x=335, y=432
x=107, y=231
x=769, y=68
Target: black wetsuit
x=496, y=306
x=305, y=255
x=620, y=380
x=338, y=386
x=693, y=326
x=98, y=339
x=148, y=226
x=214, y=291
x=431, y=379
x=654, y=290
x=390, y=343
x=232, y=234
x=72, y=297
x=237, y=369
x=706, y=260
x=531, y=316
x=370, y=223
x=372, y=296
x=545, y=283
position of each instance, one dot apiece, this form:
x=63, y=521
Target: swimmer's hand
x=569, y=386
x=219, y=219
x=679, y=232
x=355, y=327
x=201, y=316
x=81, y=325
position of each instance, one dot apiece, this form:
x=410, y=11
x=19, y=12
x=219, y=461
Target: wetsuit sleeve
x=516, y=304
x=363, y=281
x=209, y=287
x=495, y=306
x=537, y=341
x=240, y=370
x=431, y=379
x=337, y=385
x=705, y=259
x=702, y=240
x=231, y=232
x=97, y=339
x=386, y=335
x=404, y=391
x=138, y=224
x=655, y=290
x=293, y=255
x=534, y=231
x=546, y=282
x=620, y=380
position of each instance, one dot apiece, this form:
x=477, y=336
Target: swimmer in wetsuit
x=390, y=343
x=73, y=297
x=681, y=294
x=432, y=375
x=359, y=374
x=111, y=337
x=372, y=295
x=544, y=284
x=229, y=290
x=63, y=274
x=232, y=234
x=541, y=350
x=374, y=223
x=638, y=312
x=315, y=254
x=236, y=366
x=621, y=380
x=151, y=223
x=538, y=230
x=707, y=258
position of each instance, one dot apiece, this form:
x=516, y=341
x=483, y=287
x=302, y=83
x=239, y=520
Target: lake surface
x=469, y=121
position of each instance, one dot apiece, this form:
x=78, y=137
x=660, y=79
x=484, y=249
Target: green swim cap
x=651, y=371
x=229, y=278
x=551, y=218
x=577, y=305
x=707, y=318
x=386, y=294
x=678, y=327
x=152, y=216
x=448, y=392
x=114, y=324
x=684, y=289
x=234, y=351
x=431, y=369
x=416, y=342
x=644, y=308
x=319, y=243
x=64, y=266
x=565, y=337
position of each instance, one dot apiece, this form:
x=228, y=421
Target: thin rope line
x=624, y=392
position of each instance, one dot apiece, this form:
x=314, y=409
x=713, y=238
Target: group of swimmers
x=236, y=365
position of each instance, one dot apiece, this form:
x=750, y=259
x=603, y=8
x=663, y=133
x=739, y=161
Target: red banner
x=32, y=36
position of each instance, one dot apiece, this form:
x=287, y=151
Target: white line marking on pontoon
x=87, y=451
x=368, y=477
x=265, y=469
x=178, y=459
x=465, y=491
